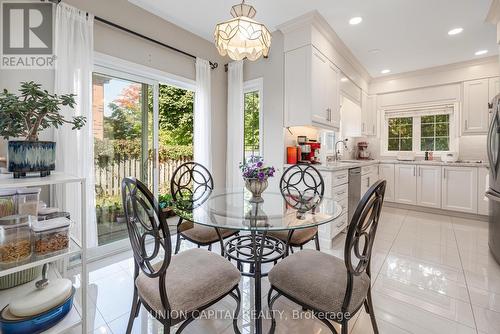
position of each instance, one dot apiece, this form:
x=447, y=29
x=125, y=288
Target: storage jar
x=27, y=201
x=51, y=236
x=15, y=240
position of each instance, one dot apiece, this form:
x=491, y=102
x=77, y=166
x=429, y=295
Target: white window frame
x=416, y=135
x=252, y=86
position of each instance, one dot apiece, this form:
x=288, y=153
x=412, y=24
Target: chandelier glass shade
x=242, y=37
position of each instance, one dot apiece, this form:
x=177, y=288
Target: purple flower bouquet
x=255, y=175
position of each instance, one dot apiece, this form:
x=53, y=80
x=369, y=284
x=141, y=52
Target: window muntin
x=400, y=134
x=435, y=133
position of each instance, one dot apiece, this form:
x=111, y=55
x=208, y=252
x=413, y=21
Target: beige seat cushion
x=318, y=280
x=203, y=234
x=299, y=237
x=194, y=278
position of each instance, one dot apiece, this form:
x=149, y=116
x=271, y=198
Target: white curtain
x=234, y=124
x=75, y=148
x=203, y=115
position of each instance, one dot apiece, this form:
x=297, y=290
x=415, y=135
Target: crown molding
x=315, y=19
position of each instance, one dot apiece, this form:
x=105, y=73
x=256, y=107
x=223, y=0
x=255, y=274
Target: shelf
x=74, y=249
x=71, y=320
x=8, y=181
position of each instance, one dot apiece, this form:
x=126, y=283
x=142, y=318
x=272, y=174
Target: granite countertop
x=347, y=164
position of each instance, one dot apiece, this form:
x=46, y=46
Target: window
x=252, y=118
x=400, y=134
x=435, y=133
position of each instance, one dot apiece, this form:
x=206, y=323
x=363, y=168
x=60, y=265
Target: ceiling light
x=242, y=37
x=355, y=20
x=344, y=79
x=481, y=52
x=374, y=51
x=385, y=71
x=455, y=31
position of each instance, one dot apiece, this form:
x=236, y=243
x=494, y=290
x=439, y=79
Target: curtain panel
x=203, y=115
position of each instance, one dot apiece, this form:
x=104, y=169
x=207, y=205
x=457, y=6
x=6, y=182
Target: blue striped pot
x=31, y=156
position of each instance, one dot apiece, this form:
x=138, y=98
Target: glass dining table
x=255, y=244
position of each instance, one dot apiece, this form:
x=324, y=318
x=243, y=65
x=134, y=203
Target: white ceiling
x=411, y=34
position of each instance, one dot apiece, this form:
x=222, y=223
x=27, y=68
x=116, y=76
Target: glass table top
x=232, y=209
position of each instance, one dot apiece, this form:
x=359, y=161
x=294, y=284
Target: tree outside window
x=400, y=134
x=251, y=127
x=435, y=133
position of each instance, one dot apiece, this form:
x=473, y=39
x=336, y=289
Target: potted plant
x=255, y=175
x=165, y=202
x=26, y=115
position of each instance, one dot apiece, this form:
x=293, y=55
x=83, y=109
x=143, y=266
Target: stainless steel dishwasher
x=354, y=191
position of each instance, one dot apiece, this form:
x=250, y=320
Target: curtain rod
x=213, y=65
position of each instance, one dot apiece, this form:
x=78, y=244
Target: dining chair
x=190, y=186
x=174, y=289
x=334, y=289
x=303, y=188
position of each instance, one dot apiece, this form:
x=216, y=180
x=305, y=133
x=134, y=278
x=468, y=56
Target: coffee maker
x=363, y=153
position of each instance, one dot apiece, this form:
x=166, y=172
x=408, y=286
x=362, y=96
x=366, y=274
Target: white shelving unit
x=75, y=317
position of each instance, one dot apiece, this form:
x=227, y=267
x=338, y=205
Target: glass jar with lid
x=15, y=240
x=7, y=202
x=27, y=201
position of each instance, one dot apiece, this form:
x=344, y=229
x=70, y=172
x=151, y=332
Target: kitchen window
x=252, y=118
x=420, y=129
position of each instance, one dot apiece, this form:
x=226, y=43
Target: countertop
x=347, y=164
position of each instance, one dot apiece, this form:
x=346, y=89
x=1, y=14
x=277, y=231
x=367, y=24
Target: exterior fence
x=108, y=178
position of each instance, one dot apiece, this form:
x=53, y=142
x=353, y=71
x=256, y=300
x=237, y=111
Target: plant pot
x=256, y=187
x=168, y=212
x=31, y=156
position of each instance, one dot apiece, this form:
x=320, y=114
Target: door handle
x=491, y=133
x=492, y=196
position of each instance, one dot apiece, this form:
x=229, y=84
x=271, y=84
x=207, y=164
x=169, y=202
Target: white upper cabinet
x=311, y=89
x=386, y=172
x=459, y=190
x=475, y=107
x=429, y=186
x=368, y=114
x=350, y=114
x=406, y=184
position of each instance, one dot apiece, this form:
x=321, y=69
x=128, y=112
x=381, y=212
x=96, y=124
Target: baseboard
x=437, y=211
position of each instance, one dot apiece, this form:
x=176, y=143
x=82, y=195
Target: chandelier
x=242, y=37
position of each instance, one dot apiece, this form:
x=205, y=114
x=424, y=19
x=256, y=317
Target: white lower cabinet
x=459, y=189
x=405, y=184
x=429, y=186
x=482, y=186
x=386, y=172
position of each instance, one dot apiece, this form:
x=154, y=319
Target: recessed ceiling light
x=344, y=79
x=481, y=52
x=455, y=31
x=374, y=51
x=385, y=71
x=355, y=20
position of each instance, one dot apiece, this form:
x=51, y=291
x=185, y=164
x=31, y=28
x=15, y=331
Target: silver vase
x=256, y=187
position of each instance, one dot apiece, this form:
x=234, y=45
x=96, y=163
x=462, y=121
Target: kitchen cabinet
x=494, y=87
x=405, y=184
x=386, y=172
x=475, y=112
x=429, y=186
x=311, y=89
x=482, y=186
x=351, y=118
x=459, y=189
x=368, y=114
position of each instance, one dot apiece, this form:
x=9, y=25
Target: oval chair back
x=191, y=185
x=302, y=187
x=361, y=235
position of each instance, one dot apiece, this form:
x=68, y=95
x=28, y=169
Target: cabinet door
x=365, y=184
x=386, y=172
x=494, y=87
x=320, y=85
x=429, y=186
x=406, y=184
x=371, y=124
x=460, y=189
x=482, y=186
x=333, y=95
x=475, y=108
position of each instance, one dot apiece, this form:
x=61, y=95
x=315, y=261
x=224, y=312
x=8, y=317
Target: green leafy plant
x=34, y=110
x=165, y=201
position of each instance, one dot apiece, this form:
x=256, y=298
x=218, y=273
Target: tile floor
x=431, y=274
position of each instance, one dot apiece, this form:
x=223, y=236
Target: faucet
x=337, y=152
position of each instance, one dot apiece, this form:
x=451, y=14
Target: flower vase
x=256, y=187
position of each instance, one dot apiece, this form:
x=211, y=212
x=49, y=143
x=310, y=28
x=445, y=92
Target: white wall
x=271, y=70
x=116, y=43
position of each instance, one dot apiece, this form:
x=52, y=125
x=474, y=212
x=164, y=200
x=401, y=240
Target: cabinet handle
x=466, y=124
x=414, y=171
x=373, y=129
x=419, y=171
x=444, y=173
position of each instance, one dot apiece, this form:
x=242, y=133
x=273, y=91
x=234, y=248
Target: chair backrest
x=361, y=235
x=147, y=228
x=302, y=187
x=191, y=185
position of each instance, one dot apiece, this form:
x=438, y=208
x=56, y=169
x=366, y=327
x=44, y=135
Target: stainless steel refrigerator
x=493, y=193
